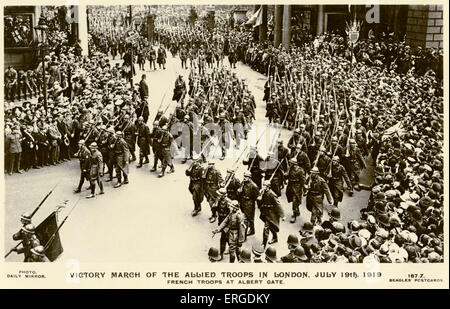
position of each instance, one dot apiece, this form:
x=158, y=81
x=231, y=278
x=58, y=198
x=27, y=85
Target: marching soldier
x=129, y=134
x=254, y=163
x=165, y=141
x=38, y=255
x=354, y=162
x=282, y=155
x=248, y=193
x=212, y=179
x=188, y=144
x=96, y=163
x=143, y=141
x=108, y=152
x=222, y=208
x=121, y=159
x=84, y=156
x=180, y=90
x=314, y=198
x=233, y=225
x=323, y=162
x=336, y=184
x=156, y=145
x=271, y=212
x=295, y=140
x=233, y=184
x=29, y=241
x=271, y=167
x=195, y=172
x=302, y=159
x=294, y=190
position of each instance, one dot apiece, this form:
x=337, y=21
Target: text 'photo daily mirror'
x=144, y=141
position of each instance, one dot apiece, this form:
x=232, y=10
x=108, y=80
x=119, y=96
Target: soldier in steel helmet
x=271, y=212
x=84, y=156
x=95, y=169
x=234, y=226
x=314, y=198
x=195, y=172
x=29, y=241
x=336, y=183
x=38, y=255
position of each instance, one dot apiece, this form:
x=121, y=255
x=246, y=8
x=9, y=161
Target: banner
x=44, y=233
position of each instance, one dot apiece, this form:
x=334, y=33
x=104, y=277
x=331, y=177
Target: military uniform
x=121, y=160
x=248, y=193
x=254, y=163
x=166, y=157
x=96, y=164
x=143, y=141
x=129, y=135
x=336, y=184
x=28, y=243
x=156, y=146
x=271, y=212
x=294, y=190
x=353, y=165
x=84, y=156
x=314, y=198
x=212, y=179
x=195, y=172
x=277, y=182
x=234, y=226
x=222, y=207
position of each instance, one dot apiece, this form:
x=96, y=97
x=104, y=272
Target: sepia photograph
x=262, y=133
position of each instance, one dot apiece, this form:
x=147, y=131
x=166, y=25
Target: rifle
x=60, y=226
x=44, y=199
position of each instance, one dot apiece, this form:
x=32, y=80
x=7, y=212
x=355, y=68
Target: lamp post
x=41, y=34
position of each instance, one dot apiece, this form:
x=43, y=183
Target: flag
x=259, y=18
x=396, y=129
x=252, y=20
x=44, y=233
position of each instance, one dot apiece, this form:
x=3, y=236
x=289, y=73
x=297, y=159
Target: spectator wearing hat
x=13, y=143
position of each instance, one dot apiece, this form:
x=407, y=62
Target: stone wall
x=425, y=26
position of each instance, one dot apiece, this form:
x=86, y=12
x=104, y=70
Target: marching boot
x=146, y=160
x=92, y=191
x=155, y=163
x=172, y=169
x=140, y=163
x=274, y=239
x=162, y=173
x=335, y=203
x=232, y=258
x=264, y=242
x=100, y=185
x=133, y=157
x=213, y=218
x=119, y=183
x=125, y=179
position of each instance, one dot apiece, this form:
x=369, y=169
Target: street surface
x=148, y=220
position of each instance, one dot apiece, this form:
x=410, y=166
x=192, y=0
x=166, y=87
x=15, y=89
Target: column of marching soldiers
x=310, y=164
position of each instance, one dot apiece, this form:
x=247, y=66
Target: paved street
x=148, y=220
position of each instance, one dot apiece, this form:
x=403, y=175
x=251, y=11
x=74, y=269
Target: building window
x=18, y=30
